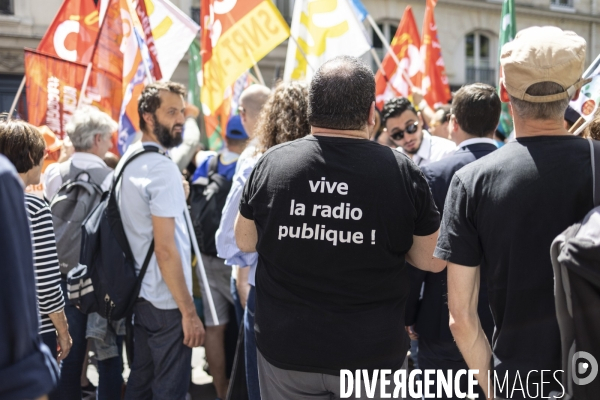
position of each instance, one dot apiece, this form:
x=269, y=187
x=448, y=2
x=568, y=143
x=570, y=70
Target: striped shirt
x=45, y=260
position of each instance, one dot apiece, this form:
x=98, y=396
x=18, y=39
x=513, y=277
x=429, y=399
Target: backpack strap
x=595, y=157
x=136, y=154
x=112, y=203
x=213, y=166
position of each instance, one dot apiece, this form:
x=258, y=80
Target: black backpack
x=575, y=255
x=207, y=202
x=70, y=206
x=105, y=280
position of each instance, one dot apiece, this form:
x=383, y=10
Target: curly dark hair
x=395, y=107
x=284, y=117
x=149, y=100
x=22, y=143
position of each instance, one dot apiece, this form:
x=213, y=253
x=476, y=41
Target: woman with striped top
x=24, y=146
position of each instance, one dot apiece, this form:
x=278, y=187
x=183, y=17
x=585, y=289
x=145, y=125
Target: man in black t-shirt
x=333, y=217
x=503, y=211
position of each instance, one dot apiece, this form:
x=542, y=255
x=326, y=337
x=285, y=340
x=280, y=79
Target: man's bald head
x=341, y=94
x=252, y=100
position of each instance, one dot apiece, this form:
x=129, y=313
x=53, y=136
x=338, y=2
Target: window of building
x=286, y=8
x=195, y=14
x=389, y=30
x=480, y=66
x=9, y=85
x=6, y=7
x=562, y=5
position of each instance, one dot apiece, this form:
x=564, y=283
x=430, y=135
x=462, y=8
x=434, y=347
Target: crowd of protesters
x=344, y=236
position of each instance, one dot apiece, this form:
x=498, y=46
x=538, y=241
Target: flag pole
x=380, y=67
x=302, y=52
x=389, y=50
x=16, y=100
x=85, y=83
x=256, y=68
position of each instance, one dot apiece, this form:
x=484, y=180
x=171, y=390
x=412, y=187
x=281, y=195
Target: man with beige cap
x=503, y=211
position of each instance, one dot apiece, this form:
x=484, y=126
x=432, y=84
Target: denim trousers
x=162, y=364
x=250, y=346
x=109, y=371
x=239, y=311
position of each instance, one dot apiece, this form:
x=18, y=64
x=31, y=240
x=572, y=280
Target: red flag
x=52, y=89
x=435, y=82
x=72, y=34
x=405, y=45
x=145, y=20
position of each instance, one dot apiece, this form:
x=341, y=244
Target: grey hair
x=86, y=123
x=551, y=110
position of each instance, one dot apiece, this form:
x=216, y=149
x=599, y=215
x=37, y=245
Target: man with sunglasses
x=405, y=127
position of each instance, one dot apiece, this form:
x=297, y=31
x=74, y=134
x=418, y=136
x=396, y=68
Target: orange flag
x=435, y=82
x=119, y=54
x=405, y=45
x=73, y=32
x=53, y=89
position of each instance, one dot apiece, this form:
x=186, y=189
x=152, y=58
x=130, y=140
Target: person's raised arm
x=421, y=253
x=169, y=263
x=463, y=295
x=246, y=236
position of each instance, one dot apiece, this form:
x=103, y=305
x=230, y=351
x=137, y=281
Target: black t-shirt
x=503, y=212
x=335, y=218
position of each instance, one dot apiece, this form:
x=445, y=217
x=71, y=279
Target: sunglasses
x=399, y=135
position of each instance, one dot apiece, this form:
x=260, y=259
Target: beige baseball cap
x=543, y=54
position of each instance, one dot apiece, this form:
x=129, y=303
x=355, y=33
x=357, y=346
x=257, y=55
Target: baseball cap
x=235, y=129
x=543, y=54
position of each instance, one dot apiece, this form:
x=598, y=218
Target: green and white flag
x=508, y=31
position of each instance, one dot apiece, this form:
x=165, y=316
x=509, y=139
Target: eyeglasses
x=399, y=134
x=241, y=110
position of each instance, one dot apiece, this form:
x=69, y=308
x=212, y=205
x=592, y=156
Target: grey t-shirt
x=152, y=186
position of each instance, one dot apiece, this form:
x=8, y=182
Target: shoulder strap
x=595, y=157
x=68, y=171
x=146, y=262
x=143, y=150
x=97, y=175
x=213, y=165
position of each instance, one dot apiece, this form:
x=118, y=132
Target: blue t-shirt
x=225, y=167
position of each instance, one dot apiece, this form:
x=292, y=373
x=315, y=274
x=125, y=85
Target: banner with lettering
x=73, y=32
x=435, y=82
x=52, y=89
x=172, y=32
x=322, y=29
x=406, y=45
x=236, y=34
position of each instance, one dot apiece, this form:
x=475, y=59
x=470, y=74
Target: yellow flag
x=236, y=34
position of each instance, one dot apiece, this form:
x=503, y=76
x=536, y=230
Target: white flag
x=173, y=33
x=323, y=29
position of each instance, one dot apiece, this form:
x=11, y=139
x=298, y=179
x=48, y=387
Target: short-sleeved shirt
x=152, y=186
x=335, y=218
x=503, y=212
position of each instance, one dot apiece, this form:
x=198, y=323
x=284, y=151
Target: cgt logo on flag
x=584, y=367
